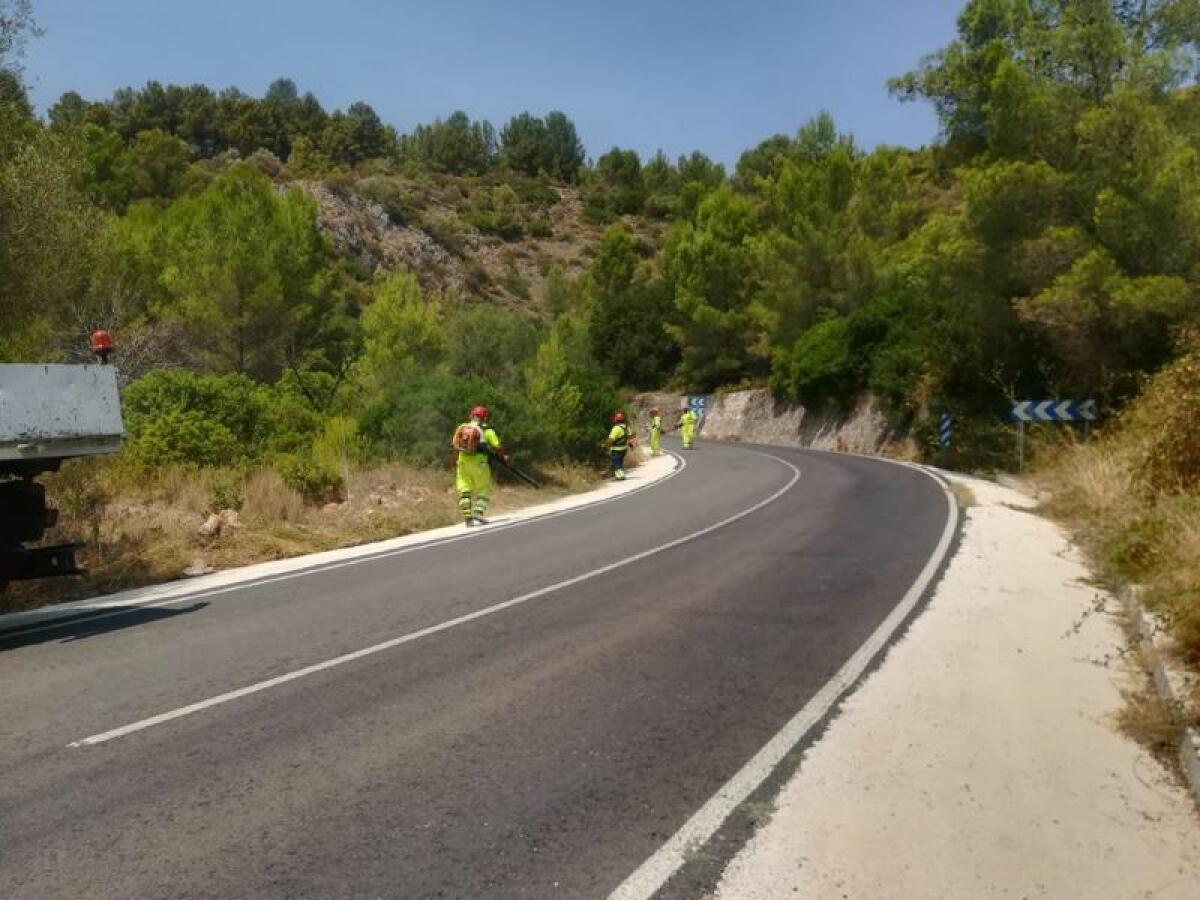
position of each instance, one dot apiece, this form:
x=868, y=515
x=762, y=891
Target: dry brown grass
x=1146, y=719
x=963, y=494
x=1134, y=532
x=138, y=529
x=268, y=500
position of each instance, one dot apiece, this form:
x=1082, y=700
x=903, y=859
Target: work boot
x=480, y=520
x=470, y=523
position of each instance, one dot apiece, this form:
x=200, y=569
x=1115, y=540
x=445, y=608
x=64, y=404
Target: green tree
x=69, y=112
x=616, y=260
x=619, y=176
x=155, y=165
x=564, y=150
x=282, y=91
x=403, y=330
x=47, y=226
x=239, y=267
x=17, y=25
x=1106, y=327
x=722, y=332
x=572, y=395
x=524, y=143
x=562, y=293
x=456, y=145
x=628, y=329
x=492, y=343
x=17, y=122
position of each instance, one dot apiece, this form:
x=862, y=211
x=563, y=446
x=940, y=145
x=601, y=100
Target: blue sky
x=714, y=76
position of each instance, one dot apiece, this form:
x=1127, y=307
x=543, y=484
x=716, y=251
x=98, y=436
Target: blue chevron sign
x=946, y=430
x=698, y=403
x=1055, y=411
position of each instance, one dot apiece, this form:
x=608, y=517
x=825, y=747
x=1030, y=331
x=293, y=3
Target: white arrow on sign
x=1087, y=411
x=1063, y=412
x=1042, y=411
x=1021, y=411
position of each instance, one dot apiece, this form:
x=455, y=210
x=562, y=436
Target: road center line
x=255, y=688
x=652, y=874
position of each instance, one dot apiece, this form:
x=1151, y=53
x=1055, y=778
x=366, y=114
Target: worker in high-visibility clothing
x=617, y=442
x=475, y=442
x=655, y=431
x=687, y=425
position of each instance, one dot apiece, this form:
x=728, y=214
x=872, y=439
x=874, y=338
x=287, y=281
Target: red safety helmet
x=619, y=418
x=480, y=413
x=654, y=410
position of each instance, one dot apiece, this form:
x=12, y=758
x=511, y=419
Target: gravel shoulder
x=982, y=759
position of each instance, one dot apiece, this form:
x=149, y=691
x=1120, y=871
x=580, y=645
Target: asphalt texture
x=542, y=751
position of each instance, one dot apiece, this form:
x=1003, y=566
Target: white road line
x=434, y=629
x=651, y=875
x=83, y=618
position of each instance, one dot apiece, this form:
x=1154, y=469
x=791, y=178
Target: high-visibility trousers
x=655, y=441
x=616, y=459
x=473, y=479
x=689, y=435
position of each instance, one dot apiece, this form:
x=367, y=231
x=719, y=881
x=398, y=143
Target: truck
x=49, y=414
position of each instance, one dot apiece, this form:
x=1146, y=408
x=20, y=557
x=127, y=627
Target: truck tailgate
x=58, y=411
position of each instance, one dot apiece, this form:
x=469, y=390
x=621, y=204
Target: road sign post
x=1050, y=411
x=946, y=431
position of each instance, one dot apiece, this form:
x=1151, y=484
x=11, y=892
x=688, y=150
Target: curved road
x=530, y=712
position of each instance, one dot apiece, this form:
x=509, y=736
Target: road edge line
x=75, y=615
x=646, y=881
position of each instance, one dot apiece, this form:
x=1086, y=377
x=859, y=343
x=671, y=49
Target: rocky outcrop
x=511, y=273
x=361, y=230
x=755, y=416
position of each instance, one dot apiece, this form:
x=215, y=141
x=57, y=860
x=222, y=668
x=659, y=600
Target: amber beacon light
x=102, y=345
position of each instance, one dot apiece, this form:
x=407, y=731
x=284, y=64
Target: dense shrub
x=535, y=192
x=821, y=366
x=393, y=196
x=1165, y=424
x=415, y=419
x=573, y=396
x=179, y=417
x=183, y=437
x=311, y=478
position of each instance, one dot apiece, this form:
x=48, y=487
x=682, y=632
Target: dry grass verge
x=139, y=530
x=1147, y=719
x=1132, y=497
x=1133, y=535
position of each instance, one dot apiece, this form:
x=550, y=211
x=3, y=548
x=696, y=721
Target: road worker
x=617, y=442
x=687, y=425
x=474, y=442
x=655, y=431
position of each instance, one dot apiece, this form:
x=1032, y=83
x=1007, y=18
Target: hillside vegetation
x=367, y=286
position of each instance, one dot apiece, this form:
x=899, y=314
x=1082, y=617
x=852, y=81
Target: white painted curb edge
x=649, y=474
x=1189, y=738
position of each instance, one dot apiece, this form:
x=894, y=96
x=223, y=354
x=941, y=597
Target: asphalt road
x=545, y=749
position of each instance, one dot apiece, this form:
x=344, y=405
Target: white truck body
x=58, y=412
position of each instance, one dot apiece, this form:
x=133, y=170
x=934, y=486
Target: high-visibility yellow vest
x=618, y=438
